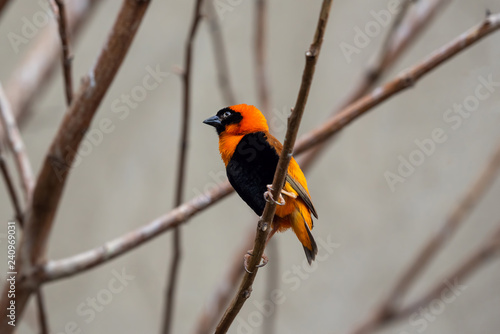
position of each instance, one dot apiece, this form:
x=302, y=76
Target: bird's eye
x=227, y=114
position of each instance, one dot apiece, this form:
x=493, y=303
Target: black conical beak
x=213, y=121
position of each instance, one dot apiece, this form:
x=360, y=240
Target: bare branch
x=16, y=145
x=54, y=172
x=220, y=57
x=404, y=32
x=30, y=76
x=388, y=307
x=66, y=57
x=181, y=170
x=265, y=221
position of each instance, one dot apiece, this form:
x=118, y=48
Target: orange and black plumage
x=251, y=155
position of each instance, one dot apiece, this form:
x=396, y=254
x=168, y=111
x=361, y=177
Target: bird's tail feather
x=301, y=223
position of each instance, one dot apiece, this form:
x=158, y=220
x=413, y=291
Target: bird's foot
x=265, y=260
x=268, y=196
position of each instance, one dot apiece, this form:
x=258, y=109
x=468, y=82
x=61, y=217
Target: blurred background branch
x=173, y=273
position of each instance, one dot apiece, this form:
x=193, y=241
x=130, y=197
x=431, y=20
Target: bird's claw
x=264, y=258
x=268, y=196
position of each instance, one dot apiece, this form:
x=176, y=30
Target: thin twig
x=264, y=224
x=404, y=32
x=10, y=189
x=261, y=68
x=77, y=263
x=17, y=147
x=66, y=57
x=388, y=307
x=264, y=101
x=173, y=274
x=220, y=55
x=55, y=168
x=29, y=78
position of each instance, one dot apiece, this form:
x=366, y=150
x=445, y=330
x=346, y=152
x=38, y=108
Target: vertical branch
x=220, y=57
x=261, y=68
x=264, y=101
x=181, y=169
x=67, y=59
x=263, y=229
x=60, y=13
x=16, y=145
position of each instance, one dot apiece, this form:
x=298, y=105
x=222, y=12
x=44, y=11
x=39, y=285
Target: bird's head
x=238, y=120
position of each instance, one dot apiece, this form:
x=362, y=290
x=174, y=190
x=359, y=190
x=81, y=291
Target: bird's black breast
x=252, y=168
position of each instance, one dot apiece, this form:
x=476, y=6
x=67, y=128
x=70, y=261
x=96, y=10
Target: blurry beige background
x=128, y=179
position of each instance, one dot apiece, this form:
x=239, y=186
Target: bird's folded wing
x=302, y=193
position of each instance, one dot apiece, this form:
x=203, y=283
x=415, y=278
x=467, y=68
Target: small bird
x=251, y=155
